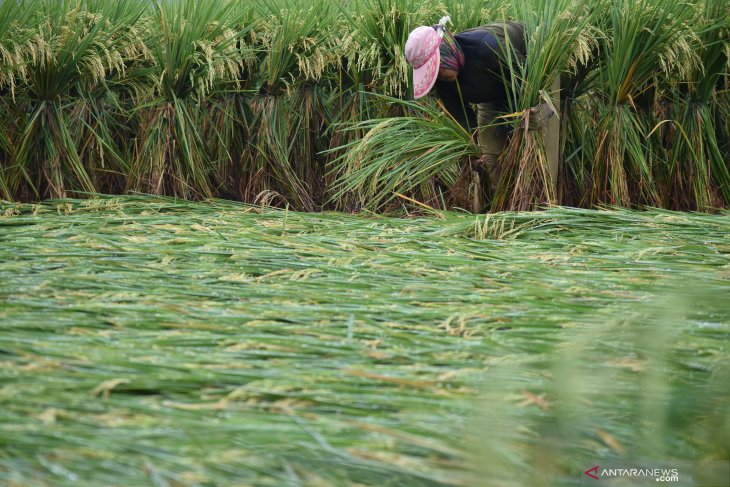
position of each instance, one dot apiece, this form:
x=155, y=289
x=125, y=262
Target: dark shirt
x=481, y=78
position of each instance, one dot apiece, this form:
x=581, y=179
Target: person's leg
x=491, y=142
x=551, y=133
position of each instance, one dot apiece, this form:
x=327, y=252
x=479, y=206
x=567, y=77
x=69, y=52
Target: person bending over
x=473, y=68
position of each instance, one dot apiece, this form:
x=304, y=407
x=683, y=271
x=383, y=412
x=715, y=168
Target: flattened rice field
x=158, y=342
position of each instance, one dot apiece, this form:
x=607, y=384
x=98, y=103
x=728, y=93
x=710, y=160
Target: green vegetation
x=153, y=340
x=159, y=342
x=268, y=102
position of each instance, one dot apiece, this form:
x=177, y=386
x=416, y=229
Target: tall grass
x=250, y=100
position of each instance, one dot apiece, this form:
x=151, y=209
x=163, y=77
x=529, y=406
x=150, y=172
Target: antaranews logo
x=657, y=474
x=652, y=473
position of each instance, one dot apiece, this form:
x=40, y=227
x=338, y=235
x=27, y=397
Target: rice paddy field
x=308, y=103
x=234, y=251
x=153, y=341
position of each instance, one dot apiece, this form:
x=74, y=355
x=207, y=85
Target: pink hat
x=422, y=52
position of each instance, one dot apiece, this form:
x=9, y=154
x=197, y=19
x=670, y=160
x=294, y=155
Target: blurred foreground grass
x=154, y=342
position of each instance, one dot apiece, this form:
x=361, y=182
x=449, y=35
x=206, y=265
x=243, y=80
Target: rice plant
x=696, y=168
x=418, y=155
x=16, y=33
x=78, y=44
x=298, y=48
x=248, y=100
x=644, y=37
x=558, y=37
x=152, y=341
x=193, y=51
x=468, y=14
x=380, y=29
x=17, y=44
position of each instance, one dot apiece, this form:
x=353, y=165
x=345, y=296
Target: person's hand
x=537, y=117
x=486, y=161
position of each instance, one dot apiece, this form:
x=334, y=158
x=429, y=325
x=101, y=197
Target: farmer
x=471, y=68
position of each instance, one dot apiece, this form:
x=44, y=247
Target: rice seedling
x=153, y=341
x=373, y=61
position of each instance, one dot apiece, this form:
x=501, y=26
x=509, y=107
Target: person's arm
x=457, y=108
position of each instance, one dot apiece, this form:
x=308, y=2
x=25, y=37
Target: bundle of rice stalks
x=418, y=155
x=558, y=38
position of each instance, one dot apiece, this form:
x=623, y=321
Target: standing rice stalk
x=5, y=149
x=224, y=126
x=348, y=104
x=697, y=177
x=467, y=14
x=193, y=47
x=16, y=47
x=17, y=41
x=78, y=45
x=579, y=102
x=644, y=36
x=297, y=48
x=578, y=146
x=273, y=157
x=247, y=100
x=375, y=51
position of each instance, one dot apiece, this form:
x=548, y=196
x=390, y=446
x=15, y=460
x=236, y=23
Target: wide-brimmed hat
x=422, y=53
